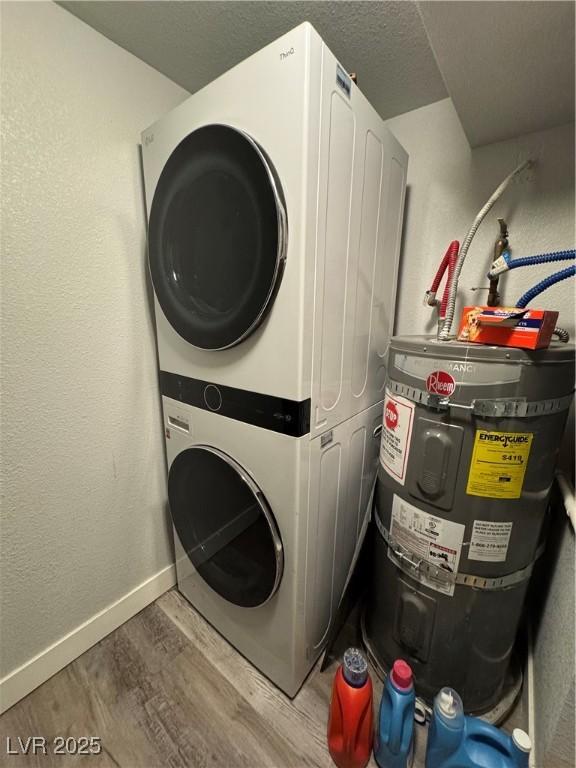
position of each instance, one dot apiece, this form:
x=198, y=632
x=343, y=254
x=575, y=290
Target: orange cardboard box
x=507, y=326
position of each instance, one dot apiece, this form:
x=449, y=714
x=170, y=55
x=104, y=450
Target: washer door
x=225, y=526
x=217, y=237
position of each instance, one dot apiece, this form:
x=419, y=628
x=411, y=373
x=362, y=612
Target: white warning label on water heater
x=396, y=434
x=489, y=541
x=426, y=537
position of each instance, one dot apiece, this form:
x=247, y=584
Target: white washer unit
x=266, y=526
x=275, y=198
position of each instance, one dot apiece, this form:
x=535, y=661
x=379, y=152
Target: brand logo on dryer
x=441, y=383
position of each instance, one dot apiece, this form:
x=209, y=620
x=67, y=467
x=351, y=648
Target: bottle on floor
x=350, y=725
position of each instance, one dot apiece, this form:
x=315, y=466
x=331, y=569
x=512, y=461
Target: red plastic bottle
x=350, y=727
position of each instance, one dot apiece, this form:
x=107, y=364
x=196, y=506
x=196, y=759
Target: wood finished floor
x=166, y=690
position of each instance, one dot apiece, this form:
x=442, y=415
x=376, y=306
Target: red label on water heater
x=396, y=436
x=440, y=383
x=391, y=415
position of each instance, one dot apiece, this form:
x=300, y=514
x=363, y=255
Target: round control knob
x=212, y=397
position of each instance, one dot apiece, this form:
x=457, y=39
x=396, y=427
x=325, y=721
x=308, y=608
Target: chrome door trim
x=282, y=221
x=263, y=504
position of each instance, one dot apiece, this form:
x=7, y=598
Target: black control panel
x=275, y=413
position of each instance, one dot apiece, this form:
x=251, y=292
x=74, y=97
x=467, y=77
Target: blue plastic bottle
x=394, y=738
x=456, y=740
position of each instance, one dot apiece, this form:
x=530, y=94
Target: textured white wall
x=555, y=650
x=83, y=517
x=448, y=183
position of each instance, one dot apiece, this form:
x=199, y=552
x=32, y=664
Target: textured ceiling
x=508, y=66
x=194, y=42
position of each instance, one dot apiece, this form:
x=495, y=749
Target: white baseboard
x=37, y=670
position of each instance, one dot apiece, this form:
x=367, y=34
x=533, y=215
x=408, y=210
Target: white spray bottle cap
x=449, y=702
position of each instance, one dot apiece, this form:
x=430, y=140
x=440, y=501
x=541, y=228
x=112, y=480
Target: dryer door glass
x=225, y=526
x=217, y=237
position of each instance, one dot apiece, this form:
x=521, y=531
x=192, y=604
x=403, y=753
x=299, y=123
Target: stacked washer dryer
x=275, y=198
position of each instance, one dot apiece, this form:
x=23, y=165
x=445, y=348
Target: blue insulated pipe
x=528, y=261
x=542, y=258
x=549, y=281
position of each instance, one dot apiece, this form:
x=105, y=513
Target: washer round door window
x=217, y=237
x=225, y=526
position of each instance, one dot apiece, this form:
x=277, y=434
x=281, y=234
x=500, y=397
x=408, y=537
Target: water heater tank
x=469, y=444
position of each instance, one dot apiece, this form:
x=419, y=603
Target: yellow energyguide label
x=498, y=465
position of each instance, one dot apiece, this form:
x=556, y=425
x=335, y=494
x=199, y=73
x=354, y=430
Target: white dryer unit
x=275, y=198
x=266, y=526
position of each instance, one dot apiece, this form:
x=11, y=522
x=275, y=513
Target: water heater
x=469, y=444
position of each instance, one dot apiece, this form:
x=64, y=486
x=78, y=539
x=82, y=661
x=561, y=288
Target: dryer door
x=225, y=526
x=217, y=237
